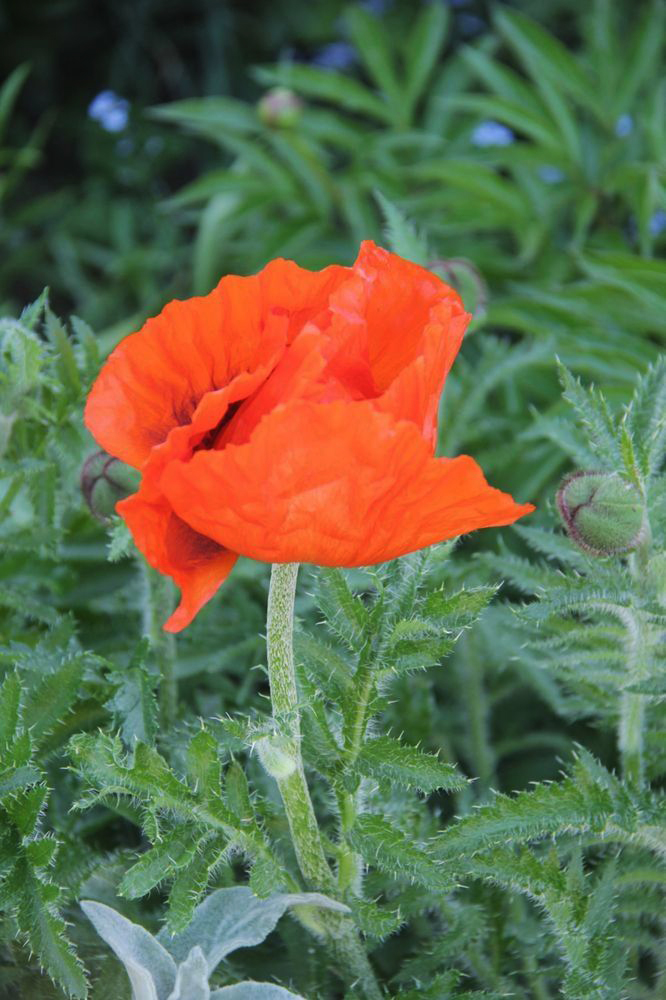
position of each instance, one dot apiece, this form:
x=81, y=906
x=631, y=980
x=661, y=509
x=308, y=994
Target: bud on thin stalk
x=603, y=513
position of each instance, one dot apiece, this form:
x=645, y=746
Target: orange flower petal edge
x=291, y=416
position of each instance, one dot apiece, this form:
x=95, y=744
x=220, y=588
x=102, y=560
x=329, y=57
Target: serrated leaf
x=345, y=612
x=10, y=696
x=46, y=932
x=134, y=705
x=388, y=760
x=159, y=862
x=46, y=704
x=401, y=234
x=203, y=764
x=387, y=847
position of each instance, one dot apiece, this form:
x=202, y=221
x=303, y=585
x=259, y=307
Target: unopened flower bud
x=275, y=756
x=104, y=481
x=280, y=108
x=603, y=513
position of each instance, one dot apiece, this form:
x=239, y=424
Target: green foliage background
x=508, y=844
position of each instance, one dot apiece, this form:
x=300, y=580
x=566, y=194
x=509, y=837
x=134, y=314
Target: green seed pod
x=104, y=481
x=280, y=108
x=603, y=513
x=275, y=756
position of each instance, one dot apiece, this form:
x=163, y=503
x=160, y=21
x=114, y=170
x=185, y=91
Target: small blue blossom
x=624, y=126
x=550, y=174
x=658, y=223
x=470, y=25
x=337, y=55
x=492, y=134
x=110, y=110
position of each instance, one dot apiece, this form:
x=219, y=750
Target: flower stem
x=340, y=933
x=284, y=696
x=632, y=706
x=157, y=598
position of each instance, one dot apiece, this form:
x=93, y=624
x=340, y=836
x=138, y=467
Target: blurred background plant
x=518, y=149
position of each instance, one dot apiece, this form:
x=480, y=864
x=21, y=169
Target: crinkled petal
x=400, y=302
x=197, y=564
x=155, y=379
x=338, y=485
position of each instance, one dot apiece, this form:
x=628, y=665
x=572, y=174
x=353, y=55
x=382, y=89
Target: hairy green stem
x=286, y=765
x=284, y=696
x=157, y=597
x=632, y=706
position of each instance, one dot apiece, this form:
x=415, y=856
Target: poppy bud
x=280, y=107
x=603, y=513
x=275, y=757
x=104, y=481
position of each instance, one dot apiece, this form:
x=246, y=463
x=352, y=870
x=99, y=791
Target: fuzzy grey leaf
x=146, y=960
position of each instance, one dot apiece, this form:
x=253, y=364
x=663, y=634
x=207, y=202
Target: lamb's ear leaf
x=254, y=991
x=151, y=969
x=228, y=919
x=235, y=918
x=192, y=978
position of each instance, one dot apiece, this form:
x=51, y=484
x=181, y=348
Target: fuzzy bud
x=275, y=756
x=603, y=513
x=280, y=108
x=104, y=481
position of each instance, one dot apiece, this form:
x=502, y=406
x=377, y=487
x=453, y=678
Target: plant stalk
x=340, y=933
x=157, y=596
x=632, y=706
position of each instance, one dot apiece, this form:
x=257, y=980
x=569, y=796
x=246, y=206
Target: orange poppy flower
x=291, y=416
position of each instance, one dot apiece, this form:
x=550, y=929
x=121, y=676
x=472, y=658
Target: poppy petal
x=399, y=298
x=197, y=564
x=338, y=485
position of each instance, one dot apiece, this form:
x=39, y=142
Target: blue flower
x=658, y=223
x=624, y=126
x=492, y=134
x=550, y=174
x=110, y=110
x=337, y=55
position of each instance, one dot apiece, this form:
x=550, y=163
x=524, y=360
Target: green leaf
x=346, y=613
x=401, y=234
x=459, y=610
x=592, y=411
x=422, y=49
x=54, y=696
x=159, y=862
x=203, y=764
x=46, y=932
x=383, y=844
x=9, y=93
x=326, y=85
x=369, y=35
x=545, y=57
x=10, y=696
x=66, y=366
x=386, y=759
